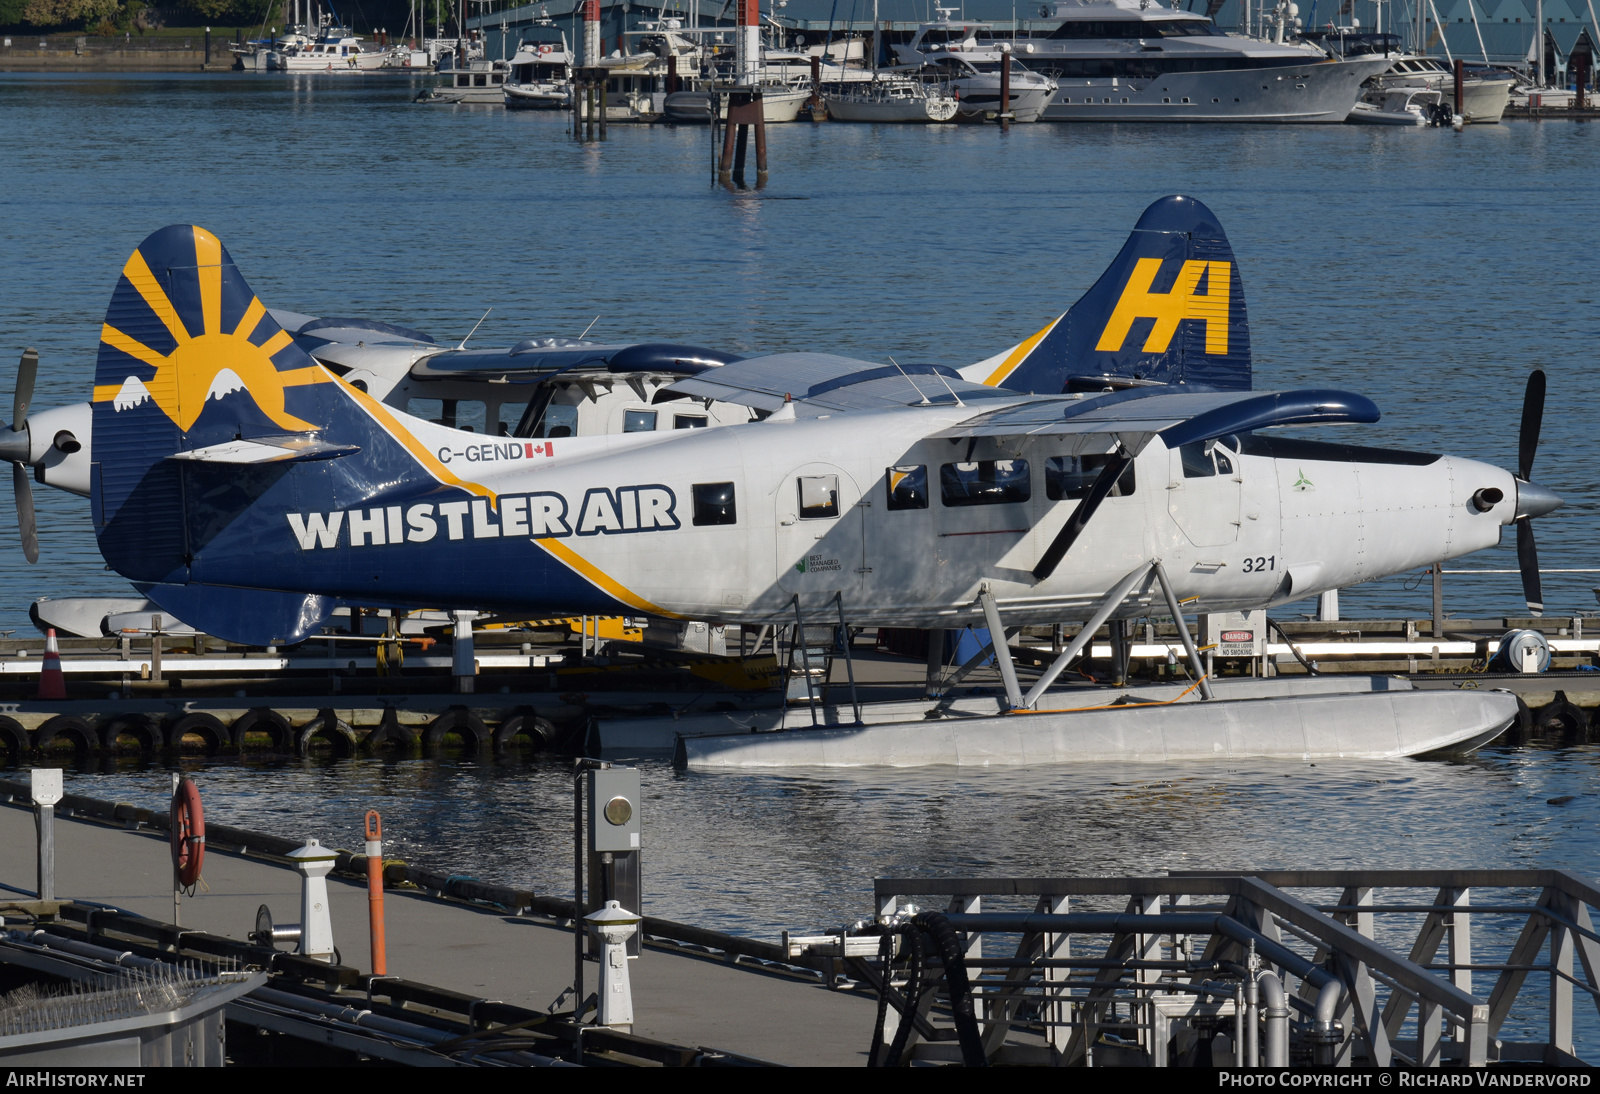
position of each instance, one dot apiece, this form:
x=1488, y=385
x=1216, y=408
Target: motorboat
x=541, y=76
x=1131, y=60
x=1484, y=91
x=975, y=79
x=481, y=82
x=1411, y=106
x=891, y=98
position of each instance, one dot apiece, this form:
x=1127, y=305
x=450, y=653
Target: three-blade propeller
x=14, y=446
x=1527, y=448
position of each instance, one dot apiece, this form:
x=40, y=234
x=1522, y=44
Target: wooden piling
x=1005, y=88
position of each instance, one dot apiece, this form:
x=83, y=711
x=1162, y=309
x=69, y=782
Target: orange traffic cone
x=52, y=685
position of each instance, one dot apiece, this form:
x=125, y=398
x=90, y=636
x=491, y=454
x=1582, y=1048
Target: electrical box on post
x=614, y=809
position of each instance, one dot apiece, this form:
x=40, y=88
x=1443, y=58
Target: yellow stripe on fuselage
x=386, y=421
x=585, y=569
x=1020, y=354
x=600, y=579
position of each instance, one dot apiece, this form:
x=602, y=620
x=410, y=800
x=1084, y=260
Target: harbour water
x=756, y=854
x=1428, y=269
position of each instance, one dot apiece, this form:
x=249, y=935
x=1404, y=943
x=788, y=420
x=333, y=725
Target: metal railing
x=1373, y=967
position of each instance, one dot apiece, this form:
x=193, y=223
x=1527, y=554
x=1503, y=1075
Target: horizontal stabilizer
x=287, y=449
x=252, y=617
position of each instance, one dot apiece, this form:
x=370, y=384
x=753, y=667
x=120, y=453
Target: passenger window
x=713, y=503
x=429, y=410
x=639, y=421
x=986, y=482
x=908, y=487
x=819, y=496
x=560, y=420
x=1068, y=477
x=688, y=421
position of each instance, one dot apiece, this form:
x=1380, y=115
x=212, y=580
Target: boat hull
x=1319, y=92
x=549, y=97
x=914, y=111
x=691, y=107
x=1302, y=728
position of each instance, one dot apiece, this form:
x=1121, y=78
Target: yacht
x=1132, y=60
x=974, y=78
x=541, y=76
x=890, y=99
x=335, y=49
x=481, y=82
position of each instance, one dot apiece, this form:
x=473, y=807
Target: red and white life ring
x=544, y=49
x=188, y=831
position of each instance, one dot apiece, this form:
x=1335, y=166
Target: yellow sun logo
x=210, y=363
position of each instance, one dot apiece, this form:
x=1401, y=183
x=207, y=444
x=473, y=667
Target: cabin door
x=819, y=536
x=1204, y=488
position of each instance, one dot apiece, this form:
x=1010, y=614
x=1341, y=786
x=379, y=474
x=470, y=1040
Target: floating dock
x=1279, y=968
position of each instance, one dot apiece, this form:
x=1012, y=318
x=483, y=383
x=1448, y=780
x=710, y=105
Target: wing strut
x=1116, y=464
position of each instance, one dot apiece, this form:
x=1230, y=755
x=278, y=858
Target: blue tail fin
x=189, y=358
x=1169, y=310
x=248, y=491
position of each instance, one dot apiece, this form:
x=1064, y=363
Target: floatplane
x=1116, y=464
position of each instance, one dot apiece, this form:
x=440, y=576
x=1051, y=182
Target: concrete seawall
x=81, y=53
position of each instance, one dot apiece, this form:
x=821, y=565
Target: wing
x=1128, y=420
x=822, y=383
x=1136, y=415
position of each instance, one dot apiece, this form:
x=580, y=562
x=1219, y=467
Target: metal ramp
x=1413, y=968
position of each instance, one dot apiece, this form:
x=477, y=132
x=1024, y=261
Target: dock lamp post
x=614, y=925
x=46, y=786
x=314, y=862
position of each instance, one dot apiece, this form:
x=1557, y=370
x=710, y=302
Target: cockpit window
x=560, y=420
x=1203, y=459
x=986, y=482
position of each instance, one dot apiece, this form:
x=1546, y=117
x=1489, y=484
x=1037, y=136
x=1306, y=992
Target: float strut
x=1002, y=649
x=1183, y=629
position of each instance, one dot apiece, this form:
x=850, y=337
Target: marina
x=834, y=787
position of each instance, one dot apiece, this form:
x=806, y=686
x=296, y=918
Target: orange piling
x=375, y=890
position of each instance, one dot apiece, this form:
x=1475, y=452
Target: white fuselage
x=621, y=510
